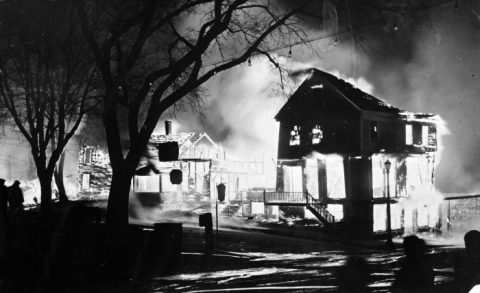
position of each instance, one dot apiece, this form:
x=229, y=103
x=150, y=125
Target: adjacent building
x=202, y=164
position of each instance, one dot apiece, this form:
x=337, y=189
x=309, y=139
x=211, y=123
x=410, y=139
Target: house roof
x=185, y=140
x=313, y=85
x=180, y=138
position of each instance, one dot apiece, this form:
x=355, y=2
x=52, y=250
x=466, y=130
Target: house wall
x=390, y=136
x=340, y=134
x=353, y=188
x=382, y=132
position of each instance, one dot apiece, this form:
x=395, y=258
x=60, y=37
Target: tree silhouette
x=46, y=79
x=152, y=56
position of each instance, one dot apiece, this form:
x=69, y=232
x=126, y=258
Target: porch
x=300, y=199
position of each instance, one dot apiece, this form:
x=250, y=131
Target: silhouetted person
x=3, y=223
x=3, y=197
x=467, y=266
x=15, y=197
x=416, y=272
x=354, y=276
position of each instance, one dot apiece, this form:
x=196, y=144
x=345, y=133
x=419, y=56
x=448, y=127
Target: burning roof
x=309, y=91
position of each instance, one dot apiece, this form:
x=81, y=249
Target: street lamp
x=389, y=243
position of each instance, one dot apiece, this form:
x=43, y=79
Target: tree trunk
x=46, y=191
x=117, y=209
x=58, y=175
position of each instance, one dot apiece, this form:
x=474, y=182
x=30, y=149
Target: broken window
x=335, y=176
x=317, y=134
x=295, y=135
x=373, y=131
x=432, y=136
x=292, y=178
x=408, y=134
x=424, y=135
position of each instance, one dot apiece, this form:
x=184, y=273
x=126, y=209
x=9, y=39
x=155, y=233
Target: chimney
x=168, y=127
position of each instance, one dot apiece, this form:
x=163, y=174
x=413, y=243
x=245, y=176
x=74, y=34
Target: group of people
x=11, y=206
x=11, y=197
x=416, y=271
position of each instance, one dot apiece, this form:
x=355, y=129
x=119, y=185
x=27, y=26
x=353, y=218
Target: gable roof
x=185, y=140
x=180, y=138
x=305, y=95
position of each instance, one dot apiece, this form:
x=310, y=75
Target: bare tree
x=153, y=55
x=45, y=79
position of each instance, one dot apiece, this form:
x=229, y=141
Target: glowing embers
x=295, y=135
x=317, y=134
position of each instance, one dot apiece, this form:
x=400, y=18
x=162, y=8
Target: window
x=373, y=131
x=432, y=136
x=408, y=134
x=424, y=135
x=336, y=210
x=317, y=134
x=295, y=135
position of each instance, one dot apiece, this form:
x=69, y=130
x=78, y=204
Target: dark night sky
x=430, y=64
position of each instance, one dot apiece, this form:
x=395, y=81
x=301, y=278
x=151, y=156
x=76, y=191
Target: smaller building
x=94, y=172
x=203, y=163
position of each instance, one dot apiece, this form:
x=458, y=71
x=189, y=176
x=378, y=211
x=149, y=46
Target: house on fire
x=334, y=140
x=203, y=163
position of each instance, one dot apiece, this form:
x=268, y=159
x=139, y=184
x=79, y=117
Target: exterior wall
x=391, y=135
x=358, y=209
x=340, y=134
x=94, y=172
x=353, y=188
x=387, y=137
x=364, y=139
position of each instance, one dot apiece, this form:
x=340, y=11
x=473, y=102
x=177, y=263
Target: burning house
x=94, y=172
x=203, y=163
x=334, y=143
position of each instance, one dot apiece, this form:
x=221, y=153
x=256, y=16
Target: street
x=254, y=261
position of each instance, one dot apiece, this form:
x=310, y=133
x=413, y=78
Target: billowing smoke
x=428, y=65
x=442, y=77
x=239, y=113
x=431, y=66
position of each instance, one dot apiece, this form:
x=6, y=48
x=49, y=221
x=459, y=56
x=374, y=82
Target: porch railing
x=300, y=199
x=319, y=208
x=285, y=198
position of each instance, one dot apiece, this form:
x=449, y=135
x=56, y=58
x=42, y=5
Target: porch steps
x=301, y=199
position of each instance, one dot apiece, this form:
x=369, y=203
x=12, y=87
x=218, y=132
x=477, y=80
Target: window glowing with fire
x=317, y=134
x=295, y=135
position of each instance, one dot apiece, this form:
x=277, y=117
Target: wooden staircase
x=305, y=199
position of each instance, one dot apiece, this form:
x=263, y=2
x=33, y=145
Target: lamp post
x=389, y=243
